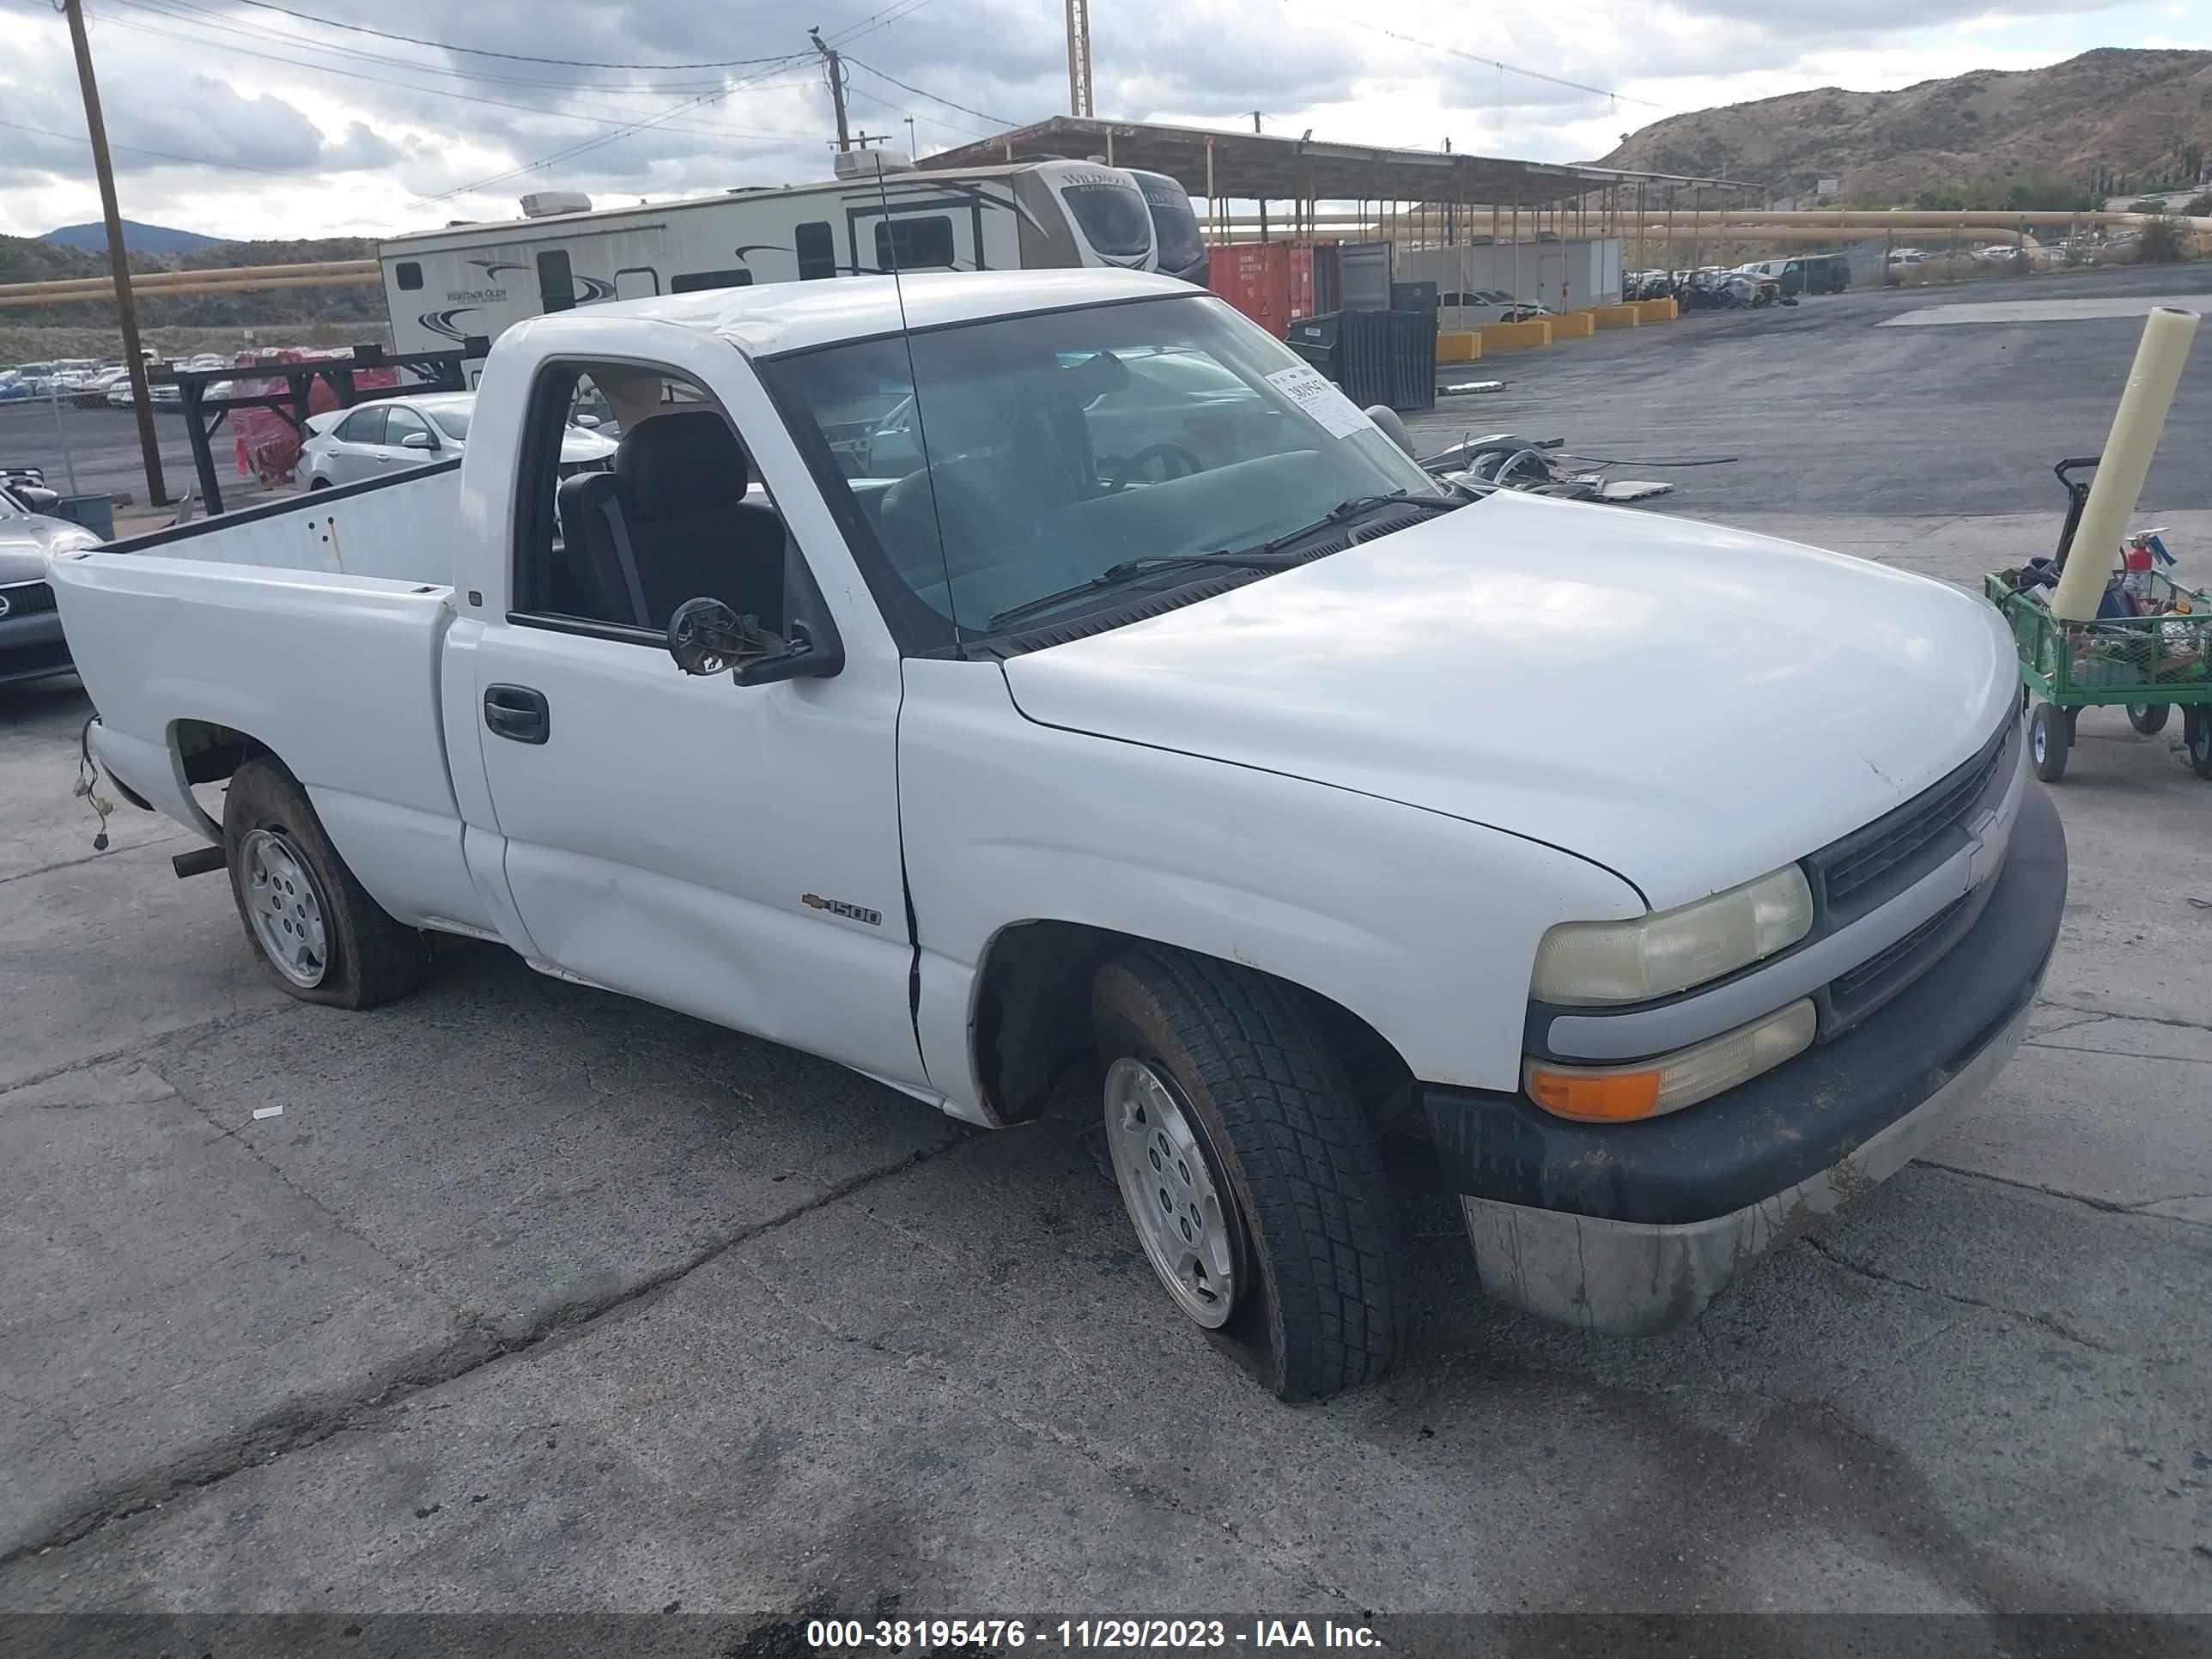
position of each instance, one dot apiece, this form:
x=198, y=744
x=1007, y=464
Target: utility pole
x=118, y=261
x=1079, y=57
x=837, y=69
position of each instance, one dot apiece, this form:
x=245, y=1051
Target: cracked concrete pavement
x=533, y=1299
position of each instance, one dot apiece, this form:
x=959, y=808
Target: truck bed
x=313, y=627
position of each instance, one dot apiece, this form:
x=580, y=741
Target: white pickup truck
x=1071, y=691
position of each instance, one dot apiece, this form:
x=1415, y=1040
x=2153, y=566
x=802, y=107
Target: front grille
x=1848, y=867
x=1848, y=989
x=28, y=598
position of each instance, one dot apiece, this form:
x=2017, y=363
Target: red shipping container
x=1271, y=283
x=1256, y=278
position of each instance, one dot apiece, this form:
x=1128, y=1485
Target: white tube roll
x=2168, y=333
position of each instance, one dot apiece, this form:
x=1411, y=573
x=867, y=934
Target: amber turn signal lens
x=1606, y=1098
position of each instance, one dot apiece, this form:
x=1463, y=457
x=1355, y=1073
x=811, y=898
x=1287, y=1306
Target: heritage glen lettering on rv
x=475, y=296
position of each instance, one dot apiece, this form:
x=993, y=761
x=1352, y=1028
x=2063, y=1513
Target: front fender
x=1423, y=926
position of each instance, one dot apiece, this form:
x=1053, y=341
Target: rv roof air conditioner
x=872, y=163
x=542, y=204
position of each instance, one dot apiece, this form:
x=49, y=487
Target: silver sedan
x=375, y=440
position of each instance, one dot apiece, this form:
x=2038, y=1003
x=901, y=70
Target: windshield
x=453, y=421
x=1053, y=447
x=1175, y=227
x=1113, y=218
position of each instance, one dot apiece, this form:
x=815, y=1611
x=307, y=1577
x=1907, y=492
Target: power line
x=483, y=51
x=1487, y=62
x=620, y=117
x=166, y=155
x=981, y=115
x=199, y=17
x=866, y=25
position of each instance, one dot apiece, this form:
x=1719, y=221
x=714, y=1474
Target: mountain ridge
x=2105, y=122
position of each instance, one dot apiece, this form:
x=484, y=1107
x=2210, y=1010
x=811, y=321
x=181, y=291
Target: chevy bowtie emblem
x=4, y=606
x=839, y=908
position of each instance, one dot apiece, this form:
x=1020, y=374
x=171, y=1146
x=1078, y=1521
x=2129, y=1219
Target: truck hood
x=1689, y=706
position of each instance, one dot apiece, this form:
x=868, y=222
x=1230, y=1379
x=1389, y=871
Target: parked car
x=1258, y=797
x=347, y=446
x=1473, y=307
x=31, y=643
x=92, y=393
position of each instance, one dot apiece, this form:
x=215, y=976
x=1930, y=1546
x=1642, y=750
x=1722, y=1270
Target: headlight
x=1586, y=962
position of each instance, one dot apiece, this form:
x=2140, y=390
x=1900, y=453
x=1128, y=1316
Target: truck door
x=730, y=851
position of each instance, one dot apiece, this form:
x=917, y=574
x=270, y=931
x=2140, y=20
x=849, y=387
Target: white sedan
x=346, y=445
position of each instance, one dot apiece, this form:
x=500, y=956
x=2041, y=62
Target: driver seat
x=670, y=523
x=1004, y=468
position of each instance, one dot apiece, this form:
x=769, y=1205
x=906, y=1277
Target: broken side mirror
x=705, y=636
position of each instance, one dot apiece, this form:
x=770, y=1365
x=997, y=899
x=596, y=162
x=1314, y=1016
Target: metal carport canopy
x=1254, y=165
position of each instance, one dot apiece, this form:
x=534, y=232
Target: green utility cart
x=2149, y=663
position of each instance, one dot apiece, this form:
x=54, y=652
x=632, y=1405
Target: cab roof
x=776, y=317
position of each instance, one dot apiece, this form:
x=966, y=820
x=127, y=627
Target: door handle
x=518, y=712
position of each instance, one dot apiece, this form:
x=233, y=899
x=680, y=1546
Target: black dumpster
x=1386, y=357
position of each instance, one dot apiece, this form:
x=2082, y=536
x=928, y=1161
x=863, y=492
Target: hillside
x=137, y=238
x=2119, y=119
x=24, y=259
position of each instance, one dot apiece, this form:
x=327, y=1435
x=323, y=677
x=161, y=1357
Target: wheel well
x=1032, y=1020
x=208, y=752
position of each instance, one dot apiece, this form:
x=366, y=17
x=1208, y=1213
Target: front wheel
x=2148, y=718
x=2050, y=735
x=1249, y=1170
x=318, y=933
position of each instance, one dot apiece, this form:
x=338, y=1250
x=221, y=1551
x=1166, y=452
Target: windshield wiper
x=1152, y=564
x=1358, y=506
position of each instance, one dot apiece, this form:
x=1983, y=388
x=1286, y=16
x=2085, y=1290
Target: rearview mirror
x=705, y=636
x=589, y=423
x=418, y=440
x=37, y=498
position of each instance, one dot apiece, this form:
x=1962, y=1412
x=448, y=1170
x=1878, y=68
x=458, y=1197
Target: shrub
x=2163, y=242
x=2199, y=205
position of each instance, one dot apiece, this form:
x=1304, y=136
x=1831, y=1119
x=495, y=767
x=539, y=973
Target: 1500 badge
x=839, y=908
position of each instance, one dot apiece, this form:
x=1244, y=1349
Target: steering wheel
x=1180, y=463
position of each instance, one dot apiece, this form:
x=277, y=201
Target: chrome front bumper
x=1631, y=1278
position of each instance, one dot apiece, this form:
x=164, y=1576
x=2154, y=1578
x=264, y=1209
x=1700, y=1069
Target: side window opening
x=364, y=426
x=816, y=244
x=556, y=283
x=694, y=282
x=409, y=275
x=914, y=244
x=677, y=514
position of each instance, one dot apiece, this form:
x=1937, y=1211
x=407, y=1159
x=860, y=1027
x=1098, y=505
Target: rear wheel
x=2197, y=738
x=2050, y=735
x=2148, y=718
x=319, y=934
x=1249, y=1170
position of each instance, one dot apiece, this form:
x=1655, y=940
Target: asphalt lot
x=534, y=1298
x=103, y=445
x=1833, y=415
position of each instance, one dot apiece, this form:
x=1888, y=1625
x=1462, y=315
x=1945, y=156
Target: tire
x=295, y=893
x=2197, y=738
x=1313, y=1302
x=2148, y=718
x=2050, y=735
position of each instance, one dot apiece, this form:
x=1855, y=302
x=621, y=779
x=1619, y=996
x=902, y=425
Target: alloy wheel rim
x=1184, y=1216
x=285, y=903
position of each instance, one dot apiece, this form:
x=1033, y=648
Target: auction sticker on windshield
x=1306, y=387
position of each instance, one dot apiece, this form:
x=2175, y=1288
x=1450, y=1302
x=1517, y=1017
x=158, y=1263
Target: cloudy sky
x=322, y=128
